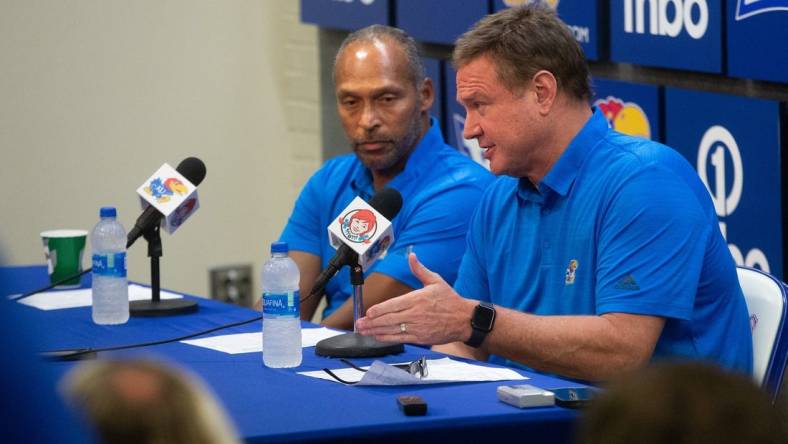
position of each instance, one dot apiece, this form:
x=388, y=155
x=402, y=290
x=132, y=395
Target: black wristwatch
x=482, y=322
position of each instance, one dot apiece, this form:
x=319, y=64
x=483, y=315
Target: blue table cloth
x=278, y=405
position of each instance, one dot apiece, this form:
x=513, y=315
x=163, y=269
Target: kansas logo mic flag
x=170, y=193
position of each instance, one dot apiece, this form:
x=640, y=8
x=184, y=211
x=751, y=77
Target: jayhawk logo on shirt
x=569, y=279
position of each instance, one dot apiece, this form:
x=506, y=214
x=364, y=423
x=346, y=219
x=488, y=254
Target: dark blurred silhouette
x=682, y=404
x=146, y=402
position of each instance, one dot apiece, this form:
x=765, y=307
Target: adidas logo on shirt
x=627, y=283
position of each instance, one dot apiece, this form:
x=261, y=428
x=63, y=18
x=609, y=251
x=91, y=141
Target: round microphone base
x=168, y=307
x=354, y=345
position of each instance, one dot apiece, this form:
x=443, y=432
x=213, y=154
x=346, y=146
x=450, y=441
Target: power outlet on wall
x=232, y=284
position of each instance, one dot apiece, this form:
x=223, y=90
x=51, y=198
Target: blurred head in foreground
x=682, y=403
x=146, y=402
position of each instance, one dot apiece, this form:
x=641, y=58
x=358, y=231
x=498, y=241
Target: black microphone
x=193, y=169
x=387, y=202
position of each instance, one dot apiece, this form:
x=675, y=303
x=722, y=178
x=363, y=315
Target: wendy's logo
x=358, y=225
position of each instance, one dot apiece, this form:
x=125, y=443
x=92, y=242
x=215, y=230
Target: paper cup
x=63, y=250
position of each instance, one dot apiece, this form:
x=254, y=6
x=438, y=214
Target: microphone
x=171, y=194
x=359, y=236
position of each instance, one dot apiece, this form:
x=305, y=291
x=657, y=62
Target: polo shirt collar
x=423, y=154
x=562, y=175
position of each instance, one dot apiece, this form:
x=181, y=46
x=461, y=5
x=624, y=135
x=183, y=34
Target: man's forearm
x=585, y=347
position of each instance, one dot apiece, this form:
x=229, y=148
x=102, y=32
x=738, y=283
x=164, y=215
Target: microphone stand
x=157, y=307
x=354, y=345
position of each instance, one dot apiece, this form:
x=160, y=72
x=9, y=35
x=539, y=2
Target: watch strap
x=477, y=337
x=479, y=333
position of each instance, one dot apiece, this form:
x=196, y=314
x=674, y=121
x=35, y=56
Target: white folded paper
x=253, y=342
x=55, y=300
x=439, y=371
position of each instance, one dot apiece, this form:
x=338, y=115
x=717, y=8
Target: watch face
x=483, y=317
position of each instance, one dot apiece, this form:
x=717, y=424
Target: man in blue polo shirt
x=600, y=253
x=383, y=99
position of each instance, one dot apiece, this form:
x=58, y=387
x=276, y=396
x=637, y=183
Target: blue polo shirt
x=440, y=190
x=619, y=224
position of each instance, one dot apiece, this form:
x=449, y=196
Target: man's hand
x=435, y=314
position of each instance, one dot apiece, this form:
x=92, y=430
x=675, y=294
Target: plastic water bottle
x=281, y=310
x=110, y=286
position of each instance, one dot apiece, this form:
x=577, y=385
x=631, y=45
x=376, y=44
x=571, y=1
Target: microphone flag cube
x=363, y=229
x=170, y=193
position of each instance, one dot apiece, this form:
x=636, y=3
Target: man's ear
x=545, y=87
x=427, y=94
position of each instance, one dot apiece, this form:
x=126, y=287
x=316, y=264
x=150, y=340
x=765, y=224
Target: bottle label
x=110, y=265
x=281, y=304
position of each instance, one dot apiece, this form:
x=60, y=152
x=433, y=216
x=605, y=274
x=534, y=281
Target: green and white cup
x=63, y=250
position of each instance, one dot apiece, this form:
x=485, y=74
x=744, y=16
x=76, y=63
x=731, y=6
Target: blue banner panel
x=680, y=34
x=582, y=16
x=734, y=143
x=349, y=15
x=439, y=21
x=630, y=108
x=455, y=120
x=757, y=38
x=433, y=68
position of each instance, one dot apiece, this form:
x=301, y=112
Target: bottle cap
x=279, y=247
x=108, y=212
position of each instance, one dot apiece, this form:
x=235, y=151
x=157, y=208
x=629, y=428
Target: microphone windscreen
x=387, y=202
x=192, y=169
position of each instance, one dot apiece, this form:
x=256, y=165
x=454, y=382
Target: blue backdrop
x=585, y=19
x=631, y=108
x=734, y=143
x=757, y=38
x=439, y=21
x=686, y=34
x=348, y=15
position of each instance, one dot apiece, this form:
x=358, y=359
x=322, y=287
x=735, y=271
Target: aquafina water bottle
x=281, y=310
x=110, y=286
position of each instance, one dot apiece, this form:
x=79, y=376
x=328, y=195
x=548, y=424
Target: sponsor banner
x=455, y=120
x=734, y=143
x=630, y=108
x=757, y=36
x=433, y=68
x=345, y=14
x=583, y=17
x=439, y=21
x=679, y=34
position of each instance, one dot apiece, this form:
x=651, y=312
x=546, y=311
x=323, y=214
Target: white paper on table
x=55, y=300
x=438, y=371
x=253, y=342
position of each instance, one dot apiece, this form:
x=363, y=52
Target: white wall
x=96, y=94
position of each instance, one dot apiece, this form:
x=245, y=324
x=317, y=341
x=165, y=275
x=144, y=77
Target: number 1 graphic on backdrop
x=716, y=141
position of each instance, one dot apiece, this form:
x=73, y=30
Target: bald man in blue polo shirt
x=599, y=253
x=383, y=99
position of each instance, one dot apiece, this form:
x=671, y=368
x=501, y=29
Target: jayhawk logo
x=569, y=279
x=162, y=190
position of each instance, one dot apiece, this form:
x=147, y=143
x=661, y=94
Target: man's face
x=506, y=124
x=380, y=108
x=358, y=226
